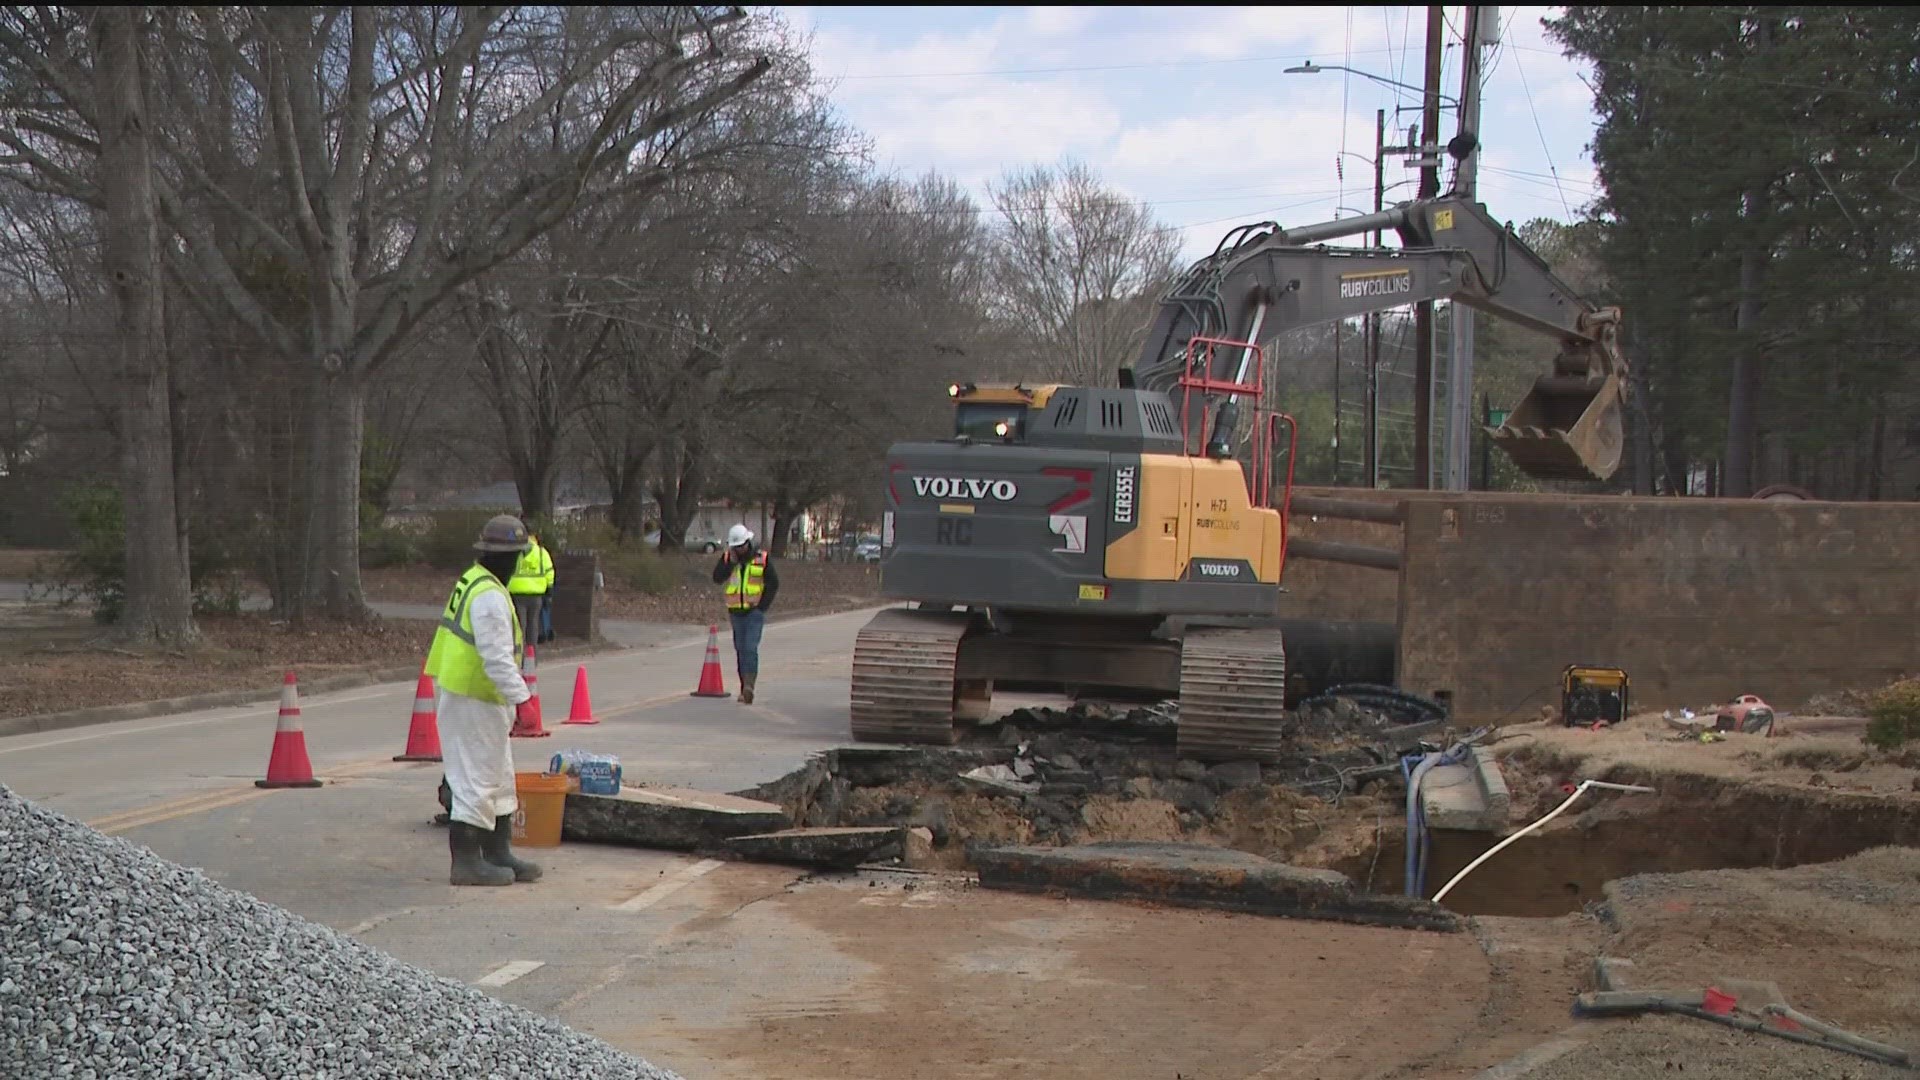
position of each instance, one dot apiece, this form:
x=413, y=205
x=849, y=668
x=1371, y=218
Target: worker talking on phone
x=751, y=582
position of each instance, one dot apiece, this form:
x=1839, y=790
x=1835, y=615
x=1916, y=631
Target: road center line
x=217, y=799
x=680, y=879
x=507, y=973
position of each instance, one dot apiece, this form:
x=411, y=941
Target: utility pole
x=1423, y=312
x=1373, y=321
x=1477, y=32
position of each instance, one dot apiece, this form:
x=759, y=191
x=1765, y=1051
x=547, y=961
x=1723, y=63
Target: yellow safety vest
x=745, y=584
x=534, y=575
x=454, y=660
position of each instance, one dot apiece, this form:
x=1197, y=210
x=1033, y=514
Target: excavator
x=1111, y=537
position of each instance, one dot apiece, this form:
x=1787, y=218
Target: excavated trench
x=1067, y=786
x=1690, y=823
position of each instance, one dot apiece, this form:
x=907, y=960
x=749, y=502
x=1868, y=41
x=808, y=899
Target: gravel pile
x=115, y=963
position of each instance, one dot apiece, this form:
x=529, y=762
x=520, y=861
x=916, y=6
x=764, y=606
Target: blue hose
x=1415, y=768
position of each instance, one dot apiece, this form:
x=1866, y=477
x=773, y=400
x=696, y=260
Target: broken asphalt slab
x=671, y=819
x=833, y=848
x=1193, y=875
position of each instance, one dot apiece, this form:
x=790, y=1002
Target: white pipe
x=1495, y=849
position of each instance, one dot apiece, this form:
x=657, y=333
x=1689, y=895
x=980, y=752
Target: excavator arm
x=1263, y=280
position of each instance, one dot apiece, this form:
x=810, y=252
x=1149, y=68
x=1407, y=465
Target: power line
x=1522, y=69
x=1071, y=70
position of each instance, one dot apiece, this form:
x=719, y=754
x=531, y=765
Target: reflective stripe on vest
x=534, y=575
x=454, y=659
x=745, y=584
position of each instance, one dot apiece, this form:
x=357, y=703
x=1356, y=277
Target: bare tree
x=159, y=608
x=338, y=174
x=97, y=66
x=1077, y=269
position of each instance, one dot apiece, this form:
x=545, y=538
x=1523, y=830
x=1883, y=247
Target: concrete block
x=1612, y=972
x=1193, y=875
x=1493, y=785
x=1451, y=798
x=672, y=819
x=916, y=848
x=841, y=848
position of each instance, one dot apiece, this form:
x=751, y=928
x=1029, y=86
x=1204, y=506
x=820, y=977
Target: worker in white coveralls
x=475, y=664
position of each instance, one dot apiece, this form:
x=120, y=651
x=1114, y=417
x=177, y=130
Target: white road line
x=250, y=714
x=360, y=928
x=679, y=880
x=506, y=973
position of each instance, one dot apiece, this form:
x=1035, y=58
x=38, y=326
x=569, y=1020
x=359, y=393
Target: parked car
x=707, y=544
x=868, y=549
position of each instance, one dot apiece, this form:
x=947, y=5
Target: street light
x=1311, y=68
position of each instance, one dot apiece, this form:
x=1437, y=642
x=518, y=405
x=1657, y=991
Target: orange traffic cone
x=711, y=683
x=581, y=711
x=423, y=737
x=526, y=717
x=288, y=766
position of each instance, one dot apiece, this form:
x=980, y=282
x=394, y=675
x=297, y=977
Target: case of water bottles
x=598, y=774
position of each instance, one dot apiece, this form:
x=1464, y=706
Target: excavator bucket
x=1568, y=427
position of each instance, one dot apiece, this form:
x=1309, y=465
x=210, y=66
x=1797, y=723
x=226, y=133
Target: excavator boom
x=1264, y=280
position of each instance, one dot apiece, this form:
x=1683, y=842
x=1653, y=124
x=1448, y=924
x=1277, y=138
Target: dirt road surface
x=734, y=970
x=746, y=970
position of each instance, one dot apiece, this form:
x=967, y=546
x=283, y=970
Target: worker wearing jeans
x=751, y=582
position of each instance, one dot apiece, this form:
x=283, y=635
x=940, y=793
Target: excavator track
x=903, y=676
x=1232, y=695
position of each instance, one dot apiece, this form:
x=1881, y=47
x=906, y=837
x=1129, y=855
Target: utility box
x=576, y=611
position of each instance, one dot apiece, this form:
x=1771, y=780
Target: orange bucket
x=543, y=800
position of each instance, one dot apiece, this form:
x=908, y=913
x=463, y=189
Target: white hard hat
x=738, y=535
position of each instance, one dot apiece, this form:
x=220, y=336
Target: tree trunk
x=1743, y=402
x=159, y=605
x=533, y=477
x=333, y=533
x=783, y=514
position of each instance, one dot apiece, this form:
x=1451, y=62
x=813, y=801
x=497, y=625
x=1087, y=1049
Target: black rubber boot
x=497, y=846
x=746, y=689
x=469, y=866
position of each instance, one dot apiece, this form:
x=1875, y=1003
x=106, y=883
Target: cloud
x=1189, y=109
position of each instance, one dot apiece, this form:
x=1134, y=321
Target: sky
x=1190, y=110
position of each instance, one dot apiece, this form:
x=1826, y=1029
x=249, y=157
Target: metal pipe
x=1253, y=342
x=1347, y=509
x=1351, y=554
x=1353, y=226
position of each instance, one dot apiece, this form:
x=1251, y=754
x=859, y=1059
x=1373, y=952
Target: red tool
x=526, y=716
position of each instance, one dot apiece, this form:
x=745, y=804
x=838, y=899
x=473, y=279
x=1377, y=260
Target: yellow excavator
x=1107, y=537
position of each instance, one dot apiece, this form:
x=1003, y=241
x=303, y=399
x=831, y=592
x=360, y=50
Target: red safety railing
x=1202, y=350
x=1266, y=422
x=1266, y=433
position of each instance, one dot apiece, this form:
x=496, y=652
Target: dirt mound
x=1839, y=939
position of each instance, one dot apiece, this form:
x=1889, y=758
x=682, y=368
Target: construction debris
x=835, y=849
x=1093, y=771
x=672, y=819
x=117, y=963
x=1192, y=875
